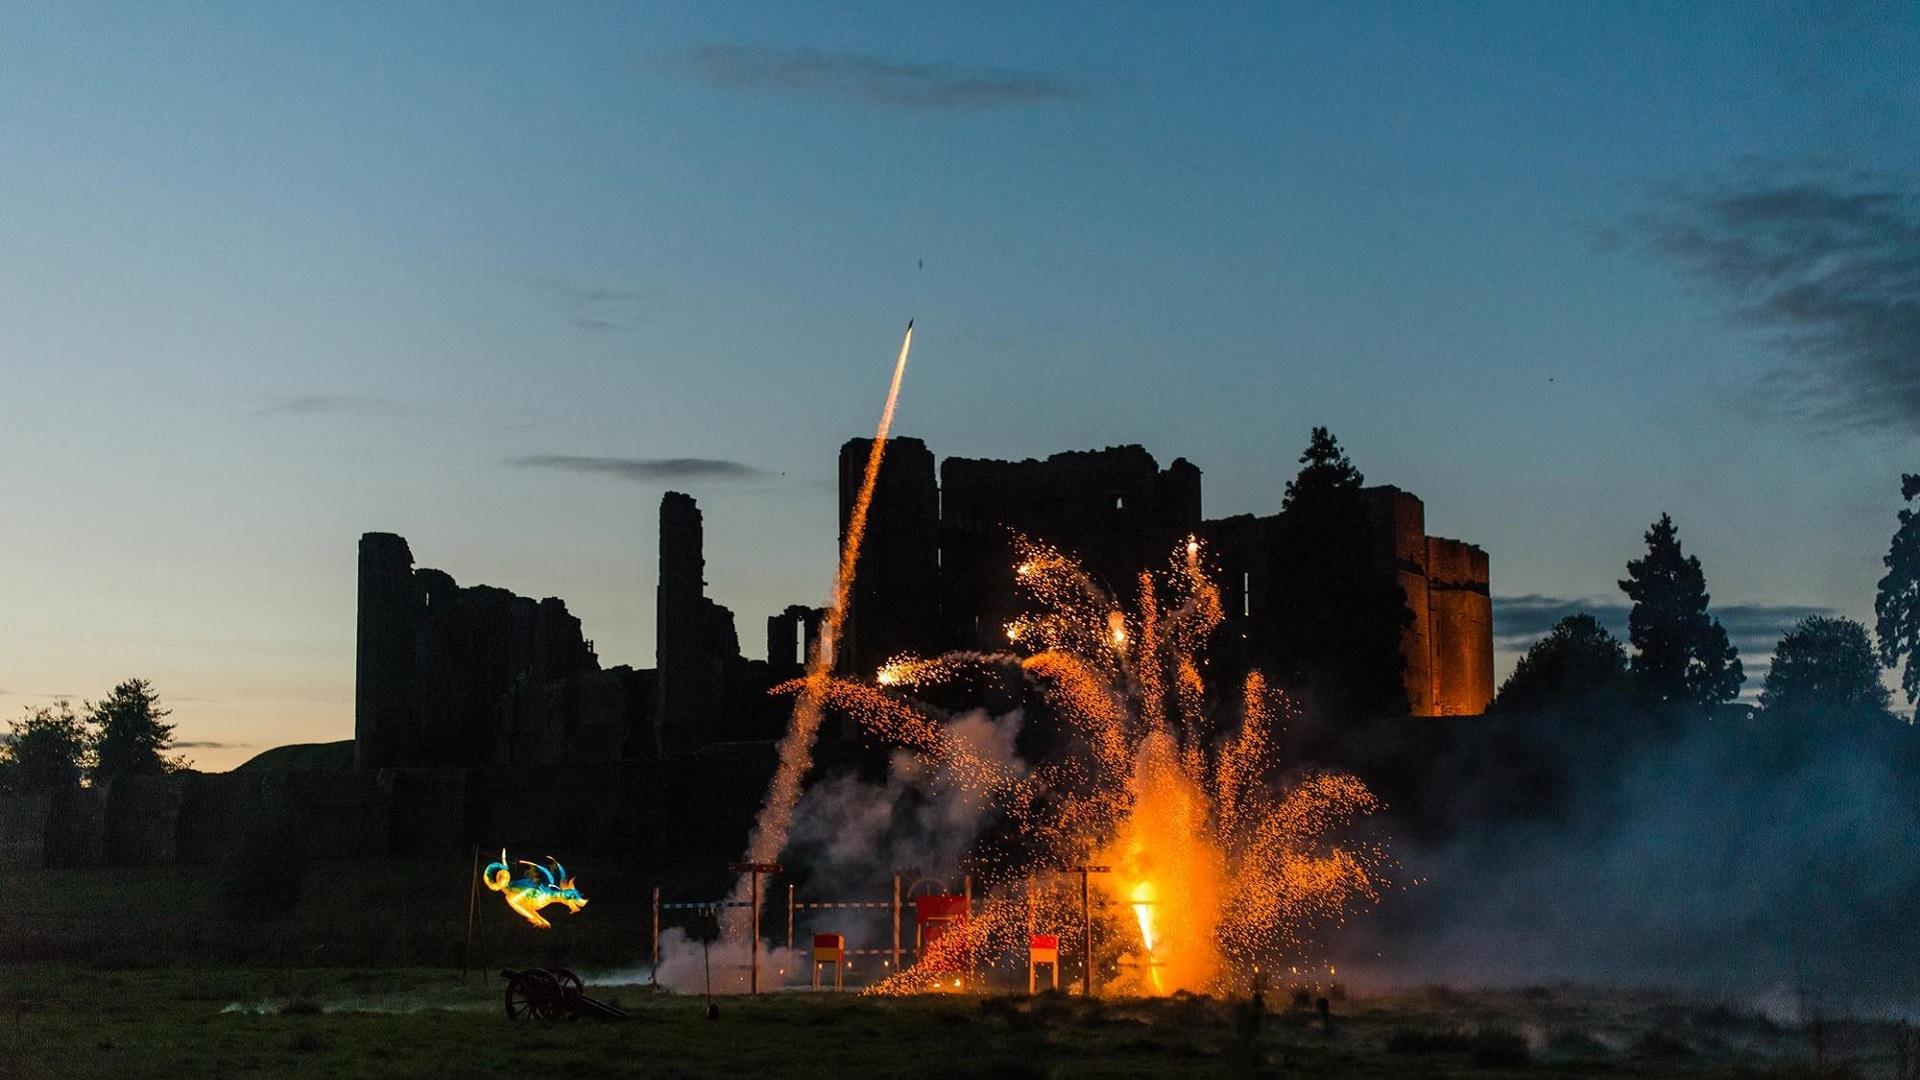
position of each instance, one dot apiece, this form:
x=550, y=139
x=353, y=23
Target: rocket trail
x=770, y=830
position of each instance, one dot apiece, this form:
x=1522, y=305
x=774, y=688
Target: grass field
x=63, y=1022
x=152, y=972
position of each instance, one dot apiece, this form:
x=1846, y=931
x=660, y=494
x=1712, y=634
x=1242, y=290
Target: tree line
x=1823, y=668
x=55, y=746
x=1338, y=649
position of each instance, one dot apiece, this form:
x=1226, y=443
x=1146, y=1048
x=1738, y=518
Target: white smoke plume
x=852, y=837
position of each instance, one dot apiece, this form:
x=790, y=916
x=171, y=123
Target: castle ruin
x=472, y=705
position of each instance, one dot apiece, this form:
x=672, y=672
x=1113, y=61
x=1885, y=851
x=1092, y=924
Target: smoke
x=686, y=966
x=855, y=836
x=1746, y=857
x=849, y=838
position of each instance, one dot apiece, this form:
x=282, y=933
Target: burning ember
x=527, y=895
x=1215, y=867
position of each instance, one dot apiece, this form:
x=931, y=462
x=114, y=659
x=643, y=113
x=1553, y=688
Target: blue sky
x=275, y=275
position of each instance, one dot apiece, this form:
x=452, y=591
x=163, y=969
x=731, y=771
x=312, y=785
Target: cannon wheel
x=533, y=995
x=570, y=988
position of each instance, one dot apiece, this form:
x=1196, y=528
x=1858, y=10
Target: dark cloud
x=334, y=404
x=1828, y=266
x=1519, y=621
x=871, y=80
x=1754, y=629
x=645, y=470
x=191, y=745
x=602, y=308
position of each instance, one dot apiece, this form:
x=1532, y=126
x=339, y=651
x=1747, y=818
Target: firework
x=771, y=826
x=1215, y=866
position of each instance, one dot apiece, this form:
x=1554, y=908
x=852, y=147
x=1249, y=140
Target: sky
x=494, y=277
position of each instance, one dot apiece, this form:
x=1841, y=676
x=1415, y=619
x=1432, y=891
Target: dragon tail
x=497, y=874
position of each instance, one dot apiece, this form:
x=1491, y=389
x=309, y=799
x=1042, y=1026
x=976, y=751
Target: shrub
x=1497, y=1048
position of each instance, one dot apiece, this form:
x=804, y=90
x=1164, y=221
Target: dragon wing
x=544, y=872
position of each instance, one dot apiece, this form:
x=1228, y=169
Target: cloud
x=1754, y=629
x=866, y=79
x=1827, y=265
x=1519, y=621
x=602, y=308
x=643, y=470
x=334, y=404
x=191, y=745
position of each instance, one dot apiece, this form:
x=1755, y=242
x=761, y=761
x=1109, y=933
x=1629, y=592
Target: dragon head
x=564, y=887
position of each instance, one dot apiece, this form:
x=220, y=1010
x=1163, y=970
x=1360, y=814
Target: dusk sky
x=275, y=275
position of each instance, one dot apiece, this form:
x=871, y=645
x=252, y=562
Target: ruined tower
x=895, y=606
x=434, y=660
x=792, y=636
x=694, y=638
x=1461, y=618
x=1399, y=521
x=383, y=694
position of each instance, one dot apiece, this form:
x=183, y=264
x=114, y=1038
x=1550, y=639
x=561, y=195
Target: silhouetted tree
x=1897, y=604
x=1825, y=667
x=1577, y=662
x=46, y=748
x=131, y=738
x=1683, y=656
x=1339, y=646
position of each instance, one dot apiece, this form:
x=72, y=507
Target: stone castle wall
x=699, y=804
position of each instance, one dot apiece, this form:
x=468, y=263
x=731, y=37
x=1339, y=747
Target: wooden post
x=1086, y=927
x=755, y=869
x=789, y=916
x=896, y=922
x=1086, y=940
x=473, y=915
x=656, y=936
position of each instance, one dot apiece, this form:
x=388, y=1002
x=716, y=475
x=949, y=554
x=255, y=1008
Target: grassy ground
x=156, y=972
x=60, y=1022
x=365, y=914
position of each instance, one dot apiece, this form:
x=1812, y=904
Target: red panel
x=929, y=908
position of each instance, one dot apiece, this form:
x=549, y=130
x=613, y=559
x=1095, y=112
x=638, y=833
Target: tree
x=1682, y=654
x=1577, y=662
x=1897, y=605
x=131, y=739
x=1824, y=667
x=46, y=748
x=1339, y=646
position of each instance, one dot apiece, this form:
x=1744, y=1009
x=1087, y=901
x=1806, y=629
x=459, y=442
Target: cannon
x=553, y=994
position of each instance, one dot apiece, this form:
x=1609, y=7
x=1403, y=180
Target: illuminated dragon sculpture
x=527, y=895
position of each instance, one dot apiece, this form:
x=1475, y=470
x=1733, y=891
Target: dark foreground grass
x=84, y=1024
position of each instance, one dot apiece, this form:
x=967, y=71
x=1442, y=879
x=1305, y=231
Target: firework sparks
x=771, y=827
x=1216, y=868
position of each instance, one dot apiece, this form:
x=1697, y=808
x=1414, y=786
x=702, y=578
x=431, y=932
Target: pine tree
x=1897, y=604
x=1682, y=654
x=131, y=738
x=1338, y=646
